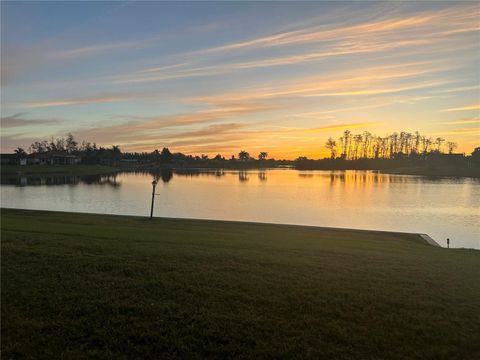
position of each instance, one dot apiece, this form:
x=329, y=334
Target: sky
x=220, y=77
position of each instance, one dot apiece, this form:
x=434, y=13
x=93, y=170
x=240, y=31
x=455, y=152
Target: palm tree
x=263, y=155
x=243, y=155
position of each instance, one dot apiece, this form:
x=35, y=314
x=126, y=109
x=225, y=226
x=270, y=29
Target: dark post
x=448, y=243
x=154, y=184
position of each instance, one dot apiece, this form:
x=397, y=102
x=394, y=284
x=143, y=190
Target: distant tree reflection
x=243, y=175
x=52, y=180
x=262, y=175
x=166, y=175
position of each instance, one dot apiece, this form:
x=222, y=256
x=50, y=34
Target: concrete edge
x=429, y=240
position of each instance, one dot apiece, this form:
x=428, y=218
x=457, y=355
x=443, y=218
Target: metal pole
x=154, y=184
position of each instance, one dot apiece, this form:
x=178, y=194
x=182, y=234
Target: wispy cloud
x=131, y=131
x=475, y=120
x=454, y=19
x=463, y=131
x=185, y=70
x=464, y=108
x=80, y=101
x=340, y=127
x=360, y=82
x=460, y=89
x=18, y=120
x=368, y=37
x=98, y=49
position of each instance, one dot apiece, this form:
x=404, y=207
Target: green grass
x=108, y=287
x=56, y=169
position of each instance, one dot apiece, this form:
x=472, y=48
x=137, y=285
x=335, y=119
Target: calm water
x=354, y=199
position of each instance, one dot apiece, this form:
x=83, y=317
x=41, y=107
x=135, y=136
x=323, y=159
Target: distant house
x=54, y=158
x=13, y=159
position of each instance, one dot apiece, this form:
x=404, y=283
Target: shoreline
x=421, y=237
x=86, y=170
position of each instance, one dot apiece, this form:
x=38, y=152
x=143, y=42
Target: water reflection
x=363, y=178
x=440, y=207
x=243, y=175
x=166, y=175
x=262, y=175
x=376, y=177
x=52, y=180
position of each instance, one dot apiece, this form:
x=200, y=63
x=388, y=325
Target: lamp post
x=154, y=184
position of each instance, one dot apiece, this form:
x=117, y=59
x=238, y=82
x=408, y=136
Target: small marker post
x=448, y=243
x=154, y=184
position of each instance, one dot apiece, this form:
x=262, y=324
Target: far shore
x=81, y=169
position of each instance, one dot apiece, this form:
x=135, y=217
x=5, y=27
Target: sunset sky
x=208, y=78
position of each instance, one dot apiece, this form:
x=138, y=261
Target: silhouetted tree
x=357, y=139
x=70, y=143
x=60, y=144
x=451, y=147
x=263, y=155
x=331, y=145
x=367, y=137
x=346, y=143
x=20, y=151
x=439, y=142
x=243, y=156
x=166, y=155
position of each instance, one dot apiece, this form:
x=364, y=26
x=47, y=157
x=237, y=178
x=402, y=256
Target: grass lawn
x=109, y=287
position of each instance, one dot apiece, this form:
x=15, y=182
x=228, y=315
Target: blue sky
x=219, y=77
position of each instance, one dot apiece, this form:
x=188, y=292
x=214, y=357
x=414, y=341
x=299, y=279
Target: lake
x=439, y=207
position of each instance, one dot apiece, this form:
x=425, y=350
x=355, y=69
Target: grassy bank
x=57, y=169
x=89, y=286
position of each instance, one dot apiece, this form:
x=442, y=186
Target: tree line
x=91, y=153
x=349, y=147
x=369, y=146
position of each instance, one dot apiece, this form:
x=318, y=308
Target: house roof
x=10, y=156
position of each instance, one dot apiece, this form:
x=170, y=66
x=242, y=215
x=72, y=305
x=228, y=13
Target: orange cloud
x=141, y=129
x=369, y=81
